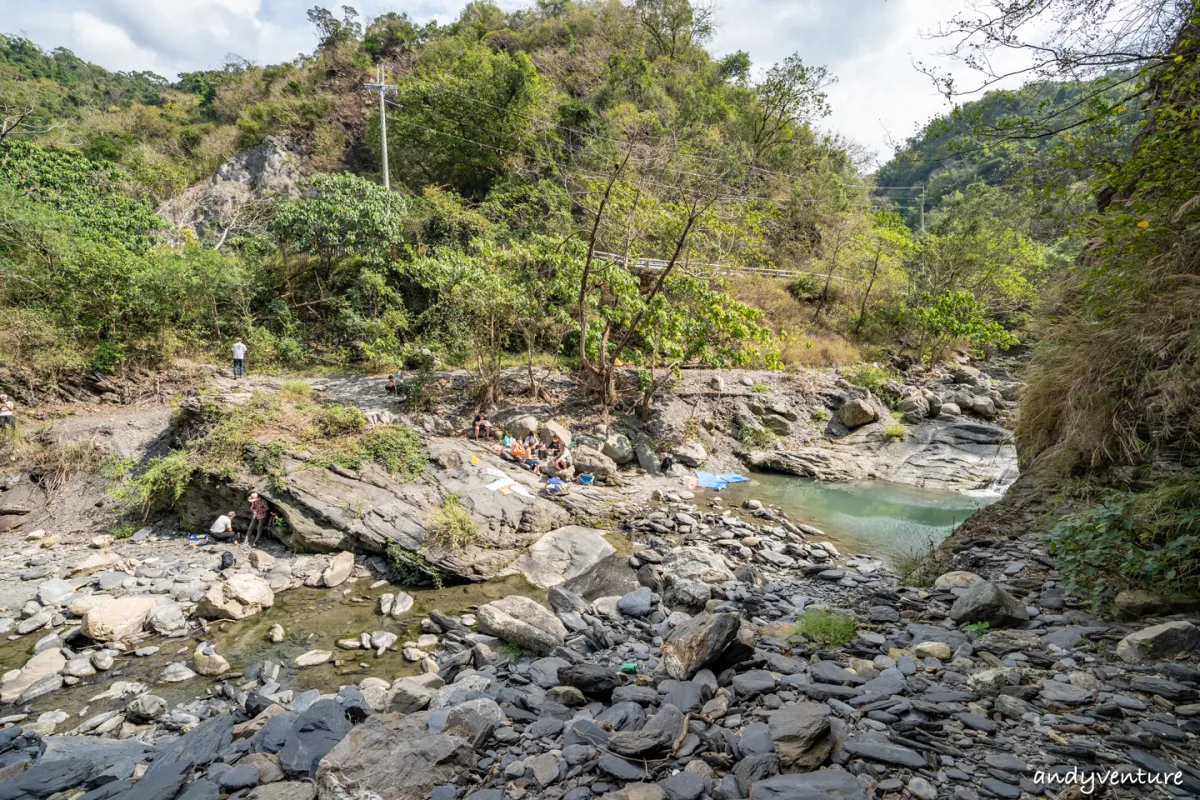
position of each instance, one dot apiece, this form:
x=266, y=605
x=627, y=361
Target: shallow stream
x=874, y=517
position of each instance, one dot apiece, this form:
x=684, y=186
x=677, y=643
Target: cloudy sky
x=869, y=44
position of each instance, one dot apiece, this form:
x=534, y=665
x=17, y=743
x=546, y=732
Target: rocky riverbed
x=677, y=670
x=631, y=640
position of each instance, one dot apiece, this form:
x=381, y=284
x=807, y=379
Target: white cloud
x=868, y=44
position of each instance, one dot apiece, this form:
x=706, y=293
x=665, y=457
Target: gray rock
x=802, y=735
x=856, y=412
x=705, y=640
x=883, y=752
x=1159, y=642
x=394, y=757
x=987, y=602
x=523, y=622
x=823, y=785
x=314, y=734
x=637, y=603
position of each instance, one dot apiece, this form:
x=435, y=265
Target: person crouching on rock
x=390, y=386
x=222, y=529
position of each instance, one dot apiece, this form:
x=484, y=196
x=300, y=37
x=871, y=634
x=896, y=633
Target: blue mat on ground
x=717, y=480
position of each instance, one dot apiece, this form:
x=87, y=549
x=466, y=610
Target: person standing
x=239, y=359
x=8, y=413
x=258, y=517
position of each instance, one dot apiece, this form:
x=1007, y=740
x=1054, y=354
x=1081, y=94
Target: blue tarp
x=717, y=480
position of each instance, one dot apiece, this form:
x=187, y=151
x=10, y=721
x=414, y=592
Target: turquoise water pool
x=874, y=517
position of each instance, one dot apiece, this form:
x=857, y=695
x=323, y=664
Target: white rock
x=312, y=658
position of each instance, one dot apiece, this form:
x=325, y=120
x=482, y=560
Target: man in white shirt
x=239, y=359
x=222, y=529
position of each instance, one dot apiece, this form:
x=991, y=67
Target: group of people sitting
x=548, y=459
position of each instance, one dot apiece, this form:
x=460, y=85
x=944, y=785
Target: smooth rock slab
x=886, y=753
x=826, y=784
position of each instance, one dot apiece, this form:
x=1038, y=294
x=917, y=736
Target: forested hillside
x=534, y=158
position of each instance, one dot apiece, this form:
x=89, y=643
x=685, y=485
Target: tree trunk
x=862, y=311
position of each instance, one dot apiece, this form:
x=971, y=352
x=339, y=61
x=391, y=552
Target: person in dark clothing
x=666, y=463
x=390, y=386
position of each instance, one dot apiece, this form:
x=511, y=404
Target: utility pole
x=922, y=206
x=382, y=89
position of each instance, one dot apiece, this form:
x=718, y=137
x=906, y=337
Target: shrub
x=821, y=415
x=123, y=530
x=296, y=390
x=451, y=526
x=397, y=448
x=160, y=485
x=760, y=388
x=1131, y=540
x=755, y=437
x=894, y=431
x=871, y=377
x=825, y=628
x=339, y=420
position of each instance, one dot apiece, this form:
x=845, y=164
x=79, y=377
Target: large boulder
x=521, y=621
x=393, y=757
x=516, y=423
x=691, y=454
x=696, y=564
x=647, y=459
x=551, y=429
x=239, y=597
x=987, y=602
x=618, y=447
x=712, y=641
x=589, y=461
x=1159, y=643
x=117, y=619
x=562, y=554
x=856, y=412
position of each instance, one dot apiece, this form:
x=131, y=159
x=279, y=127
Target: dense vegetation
x=533, y=155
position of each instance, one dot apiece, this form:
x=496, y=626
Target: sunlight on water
x=882, y=519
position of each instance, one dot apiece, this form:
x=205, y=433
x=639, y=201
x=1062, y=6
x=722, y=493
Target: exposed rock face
x=117, y=619
x=562, y=554
x=393, y=757
x=273, y=168
x=319, y=506
x=239, y=597
x=523, y=622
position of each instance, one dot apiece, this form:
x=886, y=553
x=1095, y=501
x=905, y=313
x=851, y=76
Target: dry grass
x=820, y=351
x=52, y=462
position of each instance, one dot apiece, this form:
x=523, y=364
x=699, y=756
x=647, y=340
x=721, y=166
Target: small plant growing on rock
x=920, y=567
x=894, y=431
x=756, y=437
x=821, y=415
x=980, y=627
x=760, y=387
x=824, y=628
x=451, y=526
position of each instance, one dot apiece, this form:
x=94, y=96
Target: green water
x=873, y=517
x=312, y=619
